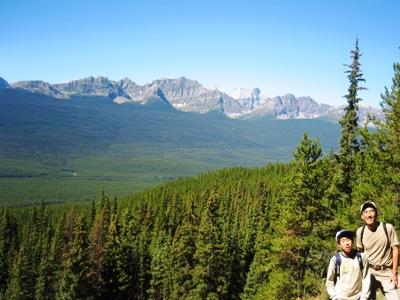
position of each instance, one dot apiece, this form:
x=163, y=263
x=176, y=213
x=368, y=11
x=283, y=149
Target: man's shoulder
x=358, y=231
x=388, y=225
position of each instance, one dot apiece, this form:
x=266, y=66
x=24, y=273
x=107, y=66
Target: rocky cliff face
x=288, y=107
x=189, y=95
x=248, y=99
x=38, y=86
x=90, y=86
x=3, y=83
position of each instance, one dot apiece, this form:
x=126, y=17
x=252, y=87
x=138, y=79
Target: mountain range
x=189, y=95
x=69, y=141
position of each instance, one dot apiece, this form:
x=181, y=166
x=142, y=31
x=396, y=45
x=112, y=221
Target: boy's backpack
x=386, y=233
x=338, y=261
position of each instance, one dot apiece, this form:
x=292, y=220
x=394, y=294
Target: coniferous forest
x=241, y=233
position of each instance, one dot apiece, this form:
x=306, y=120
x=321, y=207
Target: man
x=348, y=274
x=380, y=244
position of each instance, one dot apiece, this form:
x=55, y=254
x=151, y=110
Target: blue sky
x=281, y=47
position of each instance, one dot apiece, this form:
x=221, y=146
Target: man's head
x=344, y=238
x=369, y=213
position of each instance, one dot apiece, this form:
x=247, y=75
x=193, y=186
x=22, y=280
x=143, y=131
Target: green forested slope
x=68, y=150
x=157, y=244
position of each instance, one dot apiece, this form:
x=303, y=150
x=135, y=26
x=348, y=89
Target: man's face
x=369, y=216
x=346, y=244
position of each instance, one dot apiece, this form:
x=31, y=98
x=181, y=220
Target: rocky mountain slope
x=189, y=95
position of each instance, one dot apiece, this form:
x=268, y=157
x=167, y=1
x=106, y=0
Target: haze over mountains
x=189, y=95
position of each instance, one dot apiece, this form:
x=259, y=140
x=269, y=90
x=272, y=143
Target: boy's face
x=346, y=245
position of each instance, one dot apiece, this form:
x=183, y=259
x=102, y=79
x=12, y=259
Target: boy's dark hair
x=344, y=233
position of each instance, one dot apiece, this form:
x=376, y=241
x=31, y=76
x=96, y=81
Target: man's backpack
x=386, y=233
x=338, y=262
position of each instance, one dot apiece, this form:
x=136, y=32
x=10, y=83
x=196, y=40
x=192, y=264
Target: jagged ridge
x=189, y=95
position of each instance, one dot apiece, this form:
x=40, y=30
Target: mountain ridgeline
x=189, y=95
x=66, y=142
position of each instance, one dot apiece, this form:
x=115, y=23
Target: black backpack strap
x=361, y=236
x=338, y=261
x=387, y=234
x=384, y=229
x=360, y=261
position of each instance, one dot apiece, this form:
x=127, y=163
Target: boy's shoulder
x=339, y=256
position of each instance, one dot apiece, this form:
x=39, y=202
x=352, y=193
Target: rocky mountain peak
x=243, y=93
x=39, y=86
x=185, y=94
x=99, y=86
x=189, y=95
x=3, y=83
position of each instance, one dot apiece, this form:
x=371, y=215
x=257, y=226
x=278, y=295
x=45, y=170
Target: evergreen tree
x=45, y=285
x=128, y=259
x=379, y=164
x=23, y=275
x=211, y=273
x=143, y=263
x=390, y=133
x=160, y=269
x=303, y=227
x=257, y=275
x=349, y=140
x=182, y=253
x=8, y=241
x=98, y=236
x=92, y=214
x=110, y=271
x=74, y=281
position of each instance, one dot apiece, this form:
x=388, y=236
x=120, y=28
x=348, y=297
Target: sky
x=278, y=46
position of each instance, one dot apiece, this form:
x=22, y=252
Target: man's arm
x=394, y=242
x=395, y=257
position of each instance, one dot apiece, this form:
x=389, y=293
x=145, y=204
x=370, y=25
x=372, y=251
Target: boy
x=348, y=273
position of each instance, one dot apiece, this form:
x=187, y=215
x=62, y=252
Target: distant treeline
x=261, y=233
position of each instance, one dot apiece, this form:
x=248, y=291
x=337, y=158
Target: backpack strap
x=338, y=261
x=360, y=261
x=387, y=234
x=384, y=228
x=361, y=236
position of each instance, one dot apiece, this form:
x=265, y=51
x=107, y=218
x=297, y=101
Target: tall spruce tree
x=98, y=236
x=128, y=258
x=45, y=285
x=349, y=140
x=390, y=131
x=302, y=228
x=161, y=268
x=74, y=281
x=182, y=253
x=8, y=242
x=110, y=268
x=380, y=163
x=23, y=273
x=211, y=273
x=257, y=275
